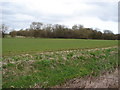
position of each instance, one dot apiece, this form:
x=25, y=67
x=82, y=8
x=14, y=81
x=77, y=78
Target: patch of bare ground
x=105, y=80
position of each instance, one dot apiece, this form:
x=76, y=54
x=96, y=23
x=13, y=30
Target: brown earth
x=105, y=80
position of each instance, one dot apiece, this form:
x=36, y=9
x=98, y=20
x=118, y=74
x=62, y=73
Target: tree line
x=40, y=30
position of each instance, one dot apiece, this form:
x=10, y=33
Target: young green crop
x=15, y=46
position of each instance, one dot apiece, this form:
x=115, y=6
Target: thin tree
x=3, y=29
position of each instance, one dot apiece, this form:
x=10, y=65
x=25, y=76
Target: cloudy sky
x=102, y=14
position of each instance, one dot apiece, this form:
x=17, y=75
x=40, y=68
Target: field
x=30, y=63
x=13, y=46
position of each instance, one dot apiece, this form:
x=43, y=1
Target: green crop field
x=41, y=63
x=13, y=46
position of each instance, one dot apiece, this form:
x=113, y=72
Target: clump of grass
x=53, y=68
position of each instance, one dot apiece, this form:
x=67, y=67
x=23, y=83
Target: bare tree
x=108, y=35
x=36, y=25
x=3, y=29
x=108, y=32
x=75, y=27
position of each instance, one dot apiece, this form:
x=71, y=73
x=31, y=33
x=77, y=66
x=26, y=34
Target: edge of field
x=50, y=68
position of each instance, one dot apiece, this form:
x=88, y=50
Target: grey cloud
x=106, y=11
x=103, y=10
x=11, y=9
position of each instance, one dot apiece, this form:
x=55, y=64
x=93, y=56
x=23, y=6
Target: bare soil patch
x=105, y=80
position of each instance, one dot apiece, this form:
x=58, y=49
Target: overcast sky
x=102, y=14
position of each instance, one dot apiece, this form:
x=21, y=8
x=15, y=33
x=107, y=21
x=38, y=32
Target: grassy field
x=13, y=46
x=54, y=68
x=27, y=62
